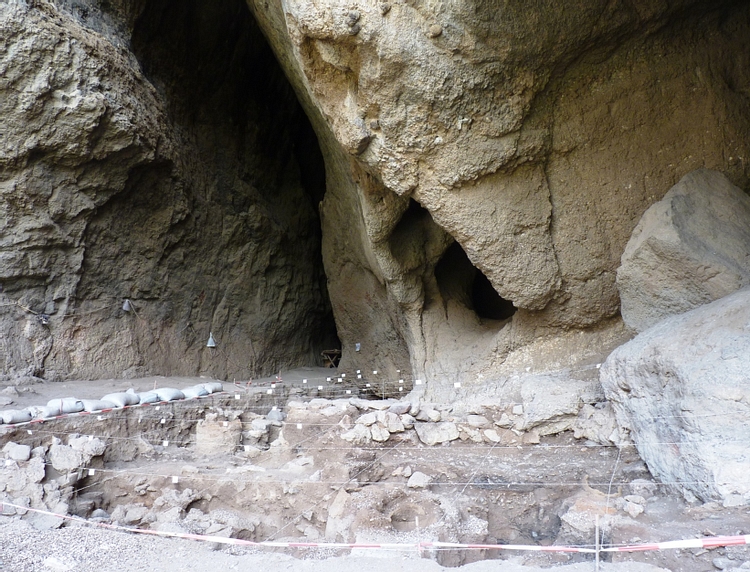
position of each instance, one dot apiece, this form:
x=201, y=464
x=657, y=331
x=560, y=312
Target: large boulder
x=690, y=248
x=682, y=388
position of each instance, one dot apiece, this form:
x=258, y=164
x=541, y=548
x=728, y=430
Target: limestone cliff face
x=484, y=157
x=153, y=151
x=481, y=166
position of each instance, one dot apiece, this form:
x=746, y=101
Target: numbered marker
x=273, y=386
x=304, y=381
x=359, y=371
x=367, y=385
x=418, y=382
x=163, y=421
x=165, y=443
x=29, y=431
x=157, y=408
x=348, y=391
x=340, y=380
x=328, y=379
x=92, y=472
x=457, y=384
x=359, y=377
x=320, y=388
x=226, y=423
x=273, y=408
x=247, y=448
x=269, y=391
x=91, y=437
x=400, y=388
x=237, y=396
x=100, y=418
x=299, y=425
x=401, y=381
x=375, y=372
x=175, y=480
x=343, y=375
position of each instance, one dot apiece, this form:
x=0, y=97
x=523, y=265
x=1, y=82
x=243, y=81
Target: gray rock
x=359, y=434
x=17, y=452
x=434, y=433
x=400, y=408
x=367, y=419
x=685, y=404
x=64, y=458
x=688, y=249
x=477, y=421
x=418, y=480
x=379, y=433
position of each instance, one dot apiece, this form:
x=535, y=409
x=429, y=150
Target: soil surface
x=288, y=488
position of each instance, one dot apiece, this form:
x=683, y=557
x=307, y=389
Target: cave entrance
x=458, y=279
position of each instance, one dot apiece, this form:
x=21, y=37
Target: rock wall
x=153, y=151
x=487, y=164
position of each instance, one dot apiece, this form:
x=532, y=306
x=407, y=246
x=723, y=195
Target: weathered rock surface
x=141, y=162
x=683, y=391
x=501, y=163
x=690, y=248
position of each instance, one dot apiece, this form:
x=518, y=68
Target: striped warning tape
x=707, y=542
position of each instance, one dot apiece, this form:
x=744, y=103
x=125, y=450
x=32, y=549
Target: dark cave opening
x=458, y=279
x=247, y=176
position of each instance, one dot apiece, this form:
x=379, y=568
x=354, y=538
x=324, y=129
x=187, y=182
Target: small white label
x=91, y=437
x=375, y=372
x=273, y=386
x=401, y=381
x=359, y=376
x=340, y=379
x=163, y=421
x=157, y=408
x=398, y=371
x=8, y=462
x=247, y=448
x=367, y=385
x=175, y=480
x=237, y=396
x=304, y=381
x=343, y=375
x=457, y=384
x=29, y=431
x=359, y=371
x=269, y=391
x=100, y=418
x=348, y=391
x=273, y=408
x=226, y=423
x=328, y=379
x=400, y=388
x=417, y=382
x=320, y=388
x=165, y=443
x=92, y=472
x=299, y=425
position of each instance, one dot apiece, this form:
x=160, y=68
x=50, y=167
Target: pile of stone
x=44, y=477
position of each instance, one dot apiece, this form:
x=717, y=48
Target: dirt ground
x=302, y=482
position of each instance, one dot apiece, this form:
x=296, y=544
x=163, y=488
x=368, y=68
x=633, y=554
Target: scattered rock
x=17, y=452
x=418, y=480
x=434, y=433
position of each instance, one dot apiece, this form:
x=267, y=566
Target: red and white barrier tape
x=708, y=542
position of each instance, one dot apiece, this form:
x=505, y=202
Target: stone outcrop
x=141, y=162
x=467, y=176
x=690, y=248
x=682, y=390
x=486, y=167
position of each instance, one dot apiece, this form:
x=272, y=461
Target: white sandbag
x=15, y=416
x=97, y=405
x=169, y=394
x=148, y=397
x=42, y=412
x=65, y=405
x=214, y=386
x=121, y=399
x=195, y=391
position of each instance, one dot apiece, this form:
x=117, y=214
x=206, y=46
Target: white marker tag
x=348, y=391
x=92, y=472
x=273, y=386
x=175, y=480
x=247, y=448
x=157, y=408
x=400, y=388
x=417, y=382
x=304, y=381
x=29, y=431
x=368, y=385
x=163, y=421
x=8, y=462
x=269, y=391
x=320, y=388
x=340, y=379
x=359, y=376
x=237, y=396
x=299, y=425
x=165, y=443
x=91, y=437
x=359, y=371
x=328, y=379
x=457, y=384
x=343, y=375
x=100, y=418
x=375, y=372
x=273, y=408
x=398, y=371
x=226, y=423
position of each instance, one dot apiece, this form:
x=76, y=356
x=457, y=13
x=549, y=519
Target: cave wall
x=154, y=151
x=534, y=136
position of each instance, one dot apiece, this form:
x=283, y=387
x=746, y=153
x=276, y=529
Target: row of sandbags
x=66, y=405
